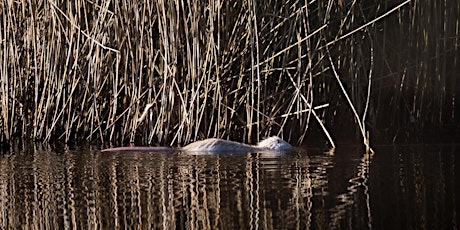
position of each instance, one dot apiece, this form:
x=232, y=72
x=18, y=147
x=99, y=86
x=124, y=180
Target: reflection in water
x=248, y=191
x=419, y=183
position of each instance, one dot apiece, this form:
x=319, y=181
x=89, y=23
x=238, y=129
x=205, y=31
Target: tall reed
x=174, y=71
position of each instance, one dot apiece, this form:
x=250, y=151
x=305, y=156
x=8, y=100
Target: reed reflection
x=416, y=187
x=254, y=190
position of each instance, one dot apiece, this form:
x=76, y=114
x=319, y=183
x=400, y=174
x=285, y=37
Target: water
x=407, y=187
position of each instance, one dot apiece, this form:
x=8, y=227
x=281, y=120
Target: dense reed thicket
x=173, y=71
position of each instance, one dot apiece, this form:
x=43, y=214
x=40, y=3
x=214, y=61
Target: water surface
x=399, y=187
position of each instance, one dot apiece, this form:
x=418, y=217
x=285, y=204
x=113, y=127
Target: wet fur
x=217, y=145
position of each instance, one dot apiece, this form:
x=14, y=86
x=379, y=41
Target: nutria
x=216, y=145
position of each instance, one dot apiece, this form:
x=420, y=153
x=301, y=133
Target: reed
x=172, y=71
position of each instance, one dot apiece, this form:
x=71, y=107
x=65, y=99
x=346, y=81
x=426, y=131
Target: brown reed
x=175, y=71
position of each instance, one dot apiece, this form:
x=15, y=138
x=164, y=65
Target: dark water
x=412, y=187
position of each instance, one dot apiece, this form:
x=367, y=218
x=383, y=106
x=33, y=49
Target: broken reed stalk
x=361, y=123
x=172, y=71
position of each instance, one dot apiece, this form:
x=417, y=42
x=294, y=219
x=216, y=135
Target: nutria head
x=274, y=143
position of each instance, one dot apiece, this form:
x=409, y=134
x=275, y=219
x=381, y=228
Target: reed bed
x=171, y=72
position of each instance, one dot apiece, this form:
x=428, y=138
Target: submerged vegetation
x=174, y=71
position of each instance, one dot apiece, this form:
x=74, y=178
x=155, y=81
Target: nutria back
x=219, y=145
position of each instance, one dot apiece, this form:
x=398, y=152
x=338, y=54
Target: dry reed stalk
x=173, y=72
